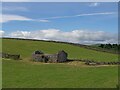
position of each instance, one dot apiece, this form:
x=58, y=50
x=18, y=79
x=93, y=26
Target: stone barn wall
x=52, y=58
x=39, y=58
x=62, y=56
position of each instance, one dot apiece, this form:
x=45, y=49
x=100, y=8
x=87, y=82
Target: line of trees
x=110, y=46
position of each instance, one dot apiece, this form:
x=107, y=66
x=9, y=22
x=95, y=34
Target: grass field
x=24, y=73
x=20, y=75
x=26, y=48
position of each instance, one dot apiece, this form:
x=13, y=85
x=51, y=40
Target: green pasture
x=28, y=74
x=25, y=48
x=20, y=74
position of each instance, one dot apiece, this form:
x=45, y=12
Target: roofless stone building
x=59, y=57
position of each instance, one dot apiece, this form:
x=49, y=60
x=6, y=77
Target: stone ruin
x=59, y=57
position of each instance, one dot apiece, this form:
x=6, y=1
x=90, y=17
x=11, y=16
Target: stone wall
x=92, y=62
x=10, y=56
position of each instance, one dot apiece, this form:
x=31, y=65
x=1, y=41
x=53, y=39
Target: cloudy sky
x=85, y=23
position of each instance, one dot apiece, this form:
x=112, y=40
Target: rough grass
x=27, y=74
x=20, y=74
x=25, y=48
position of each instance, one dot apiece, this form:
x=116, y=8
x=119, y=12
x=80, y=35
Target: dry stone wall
x=10, y=56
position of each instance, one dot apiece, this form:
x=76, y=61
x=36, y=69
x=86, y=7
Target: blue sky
x=31, y=17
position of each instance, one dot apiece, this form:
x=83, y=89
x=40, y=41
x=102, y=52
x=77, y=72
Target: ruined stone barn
x=39, y=56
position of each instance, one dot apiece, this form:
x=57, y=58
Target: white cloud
x=95, y=4
x=42, y=20
x=93, y=14
x=8, y=17
x=2, y=33
x=79, y=15
x=21, y=34
x=75, y=36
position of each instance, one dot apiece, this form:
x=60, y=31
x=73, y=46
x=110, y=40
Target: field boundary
x=92, y=62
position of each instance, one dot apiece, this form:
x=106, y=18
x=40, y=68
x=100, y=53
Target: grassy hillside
x=27, y=74
x=26, y=47
x=19, y=74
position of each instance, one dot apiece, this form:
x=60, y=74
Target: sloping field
x=20, y=74
x=25, y=48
